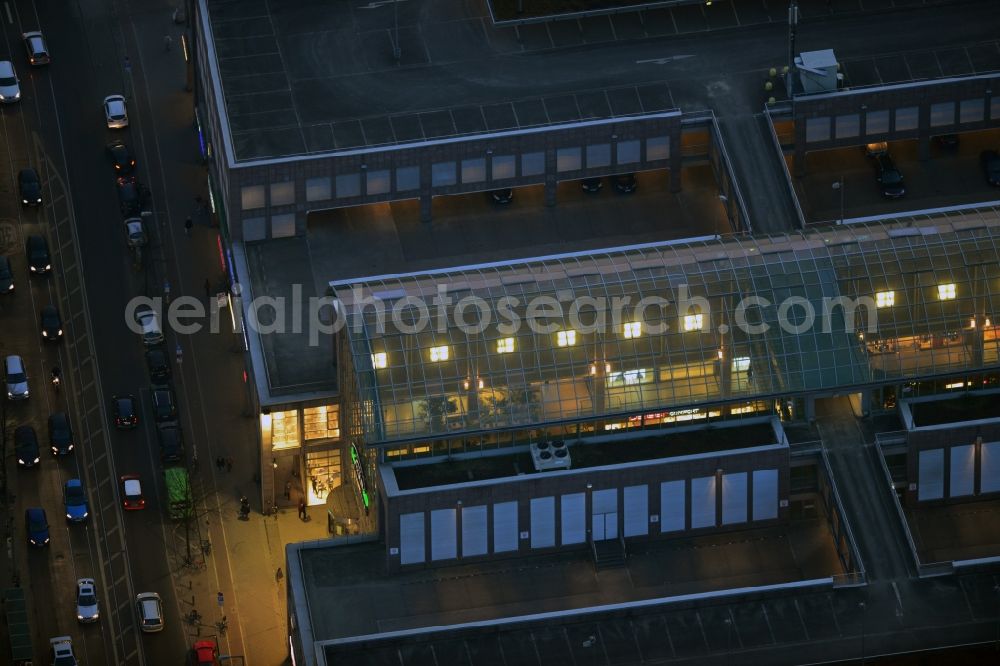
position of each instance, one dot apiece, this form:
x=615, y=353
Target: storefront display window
x=321, y=422
x=285, y=430
x=323, y=474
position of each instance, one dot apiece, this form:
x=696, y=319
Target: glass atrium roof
x=671, y=325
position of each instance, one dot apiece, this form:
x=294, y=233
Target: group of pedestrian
x=224, y=463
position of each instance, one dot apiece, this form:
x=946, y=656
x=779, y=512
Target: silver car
x=86, y=601
x=115, y=112
x=17, y=379
x=150, y=610
x=10, y=89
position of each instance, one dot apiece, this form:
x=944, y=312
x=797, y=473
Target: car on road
x=26, y=446
x=152, y=334
x=10, y=88
x=16, y=378
x=30, y=187
x=75, y=501
x=625, y=183
x=990, y=161
x=132, y=499
x=164, y=405
x=121, y=158
x=37, y=49
x=62, y=651
x=6, y=276
x=36, y=526
x=592, y=185
x=115, y=112
x=889, y=177
x=86, y=601
x=150, y=609
x=60, y=434
x=502, y=196
x=876, y=148
x=158, y=365
x=135, y=232
x=51, y=323
x=206, y=653
x=36, y=249
x=171, y=443
x=129, y=200
x=123, y=409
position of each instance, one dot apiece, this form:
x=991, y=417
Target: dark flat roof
x=953, y=410
x=314, y=76
x=618, y=451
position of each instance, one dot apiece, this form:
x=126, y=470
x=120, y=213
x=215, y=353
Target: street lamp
x=839, y=185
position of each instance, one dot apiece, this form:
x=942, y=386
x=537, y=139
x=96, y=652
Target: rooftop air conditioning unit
x=550, y=455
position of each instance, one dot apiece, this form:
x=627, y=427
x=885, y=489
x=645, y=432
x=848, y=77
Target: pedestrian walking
x=288, y=490
x=187, y=226
x=220, y=462
x=278, y=575
x=229, y=464
x=208, y=289
x=302, y=509
x=168, y=41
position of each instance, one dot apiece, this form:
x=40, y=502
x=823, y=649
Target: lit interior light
x=439, y=353
x=566, y=338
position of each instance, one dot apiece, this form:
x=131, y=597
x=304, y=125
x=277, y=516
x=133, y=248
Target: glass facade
x=612, y=339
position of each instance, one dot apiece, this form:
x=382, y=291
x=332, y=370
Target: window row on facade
x=877, y=123
x=374, y=182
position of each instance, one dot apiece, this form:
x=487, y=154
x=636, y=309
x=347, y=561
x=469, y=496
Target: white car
x=152, y=334
x=17, y=379
x=86, y=601
x=10, y=90
x=150, y=610
x=135, y=233
x=62, y=651
x=115, y=112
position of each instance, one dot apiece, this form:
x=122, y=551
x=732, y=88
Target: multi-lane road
x=58, y=127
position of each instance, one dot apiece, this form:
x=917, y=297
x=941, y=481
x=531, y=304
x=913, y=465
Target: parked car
x=121, y=158
x=503, y=196
x=592, y=185
x=30, y=187
x=990, y=160
x=150, y=324
x=132, y=498
x=60, y=434
x=206, y=653
x=62, y=651
x=876, y=148
x=75, y=501
x=36, y=249
x=171, y=443
x=889, y=177
x=150, y=609
x=129, y=200
x=135, y=232
x=37, y=49
x=10, y=88
x=26, y=446
x=51, y=323
x=115, y=112
x=86, y=601
x=16, y=378
x=164, y=405
x=625, y=183
x=158, y=365
x=124, y=412
x=36, y=526
x=6, y=276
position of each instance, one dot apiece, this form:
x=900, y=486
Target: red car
x=132, y=498
x=206, y=653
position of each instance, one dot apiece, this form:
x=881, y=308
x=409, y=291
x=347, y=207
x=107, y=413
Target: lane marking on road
x=10, y=19
x=375, y=4
x=663, y=61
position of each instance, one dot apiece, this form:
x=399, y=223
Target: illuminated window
x=741, y=364
x=885, y=299
x=285, y=430
x=505, y=345
x=380, y=360
x=946, y=292
x=439, y=353
x=322, y=422
x=693, y=322
x=633, y=329
x=566, y=338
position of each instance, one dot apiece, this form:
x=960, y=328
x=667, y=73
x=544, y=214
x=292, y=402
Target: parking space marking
x=767, y=620
x=833, y=611
x=972, y=66
x=674, y=22
x=704, y=636
x=798, y=614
